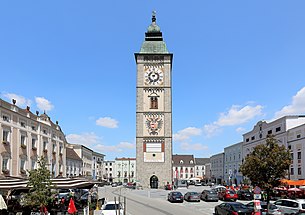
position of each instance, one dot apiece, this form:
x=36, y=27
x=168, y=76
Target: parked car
x=191, y=182
x=198, y=183
x=235, y=208
x=64, y=193
x=272, y=209
x=85, y=197
x=192, y=196
x=112, y=208
x=291, y=206
x=209, y=195
x=226, y=195
x=114, y=184
x=244, y=195
x=175, y=196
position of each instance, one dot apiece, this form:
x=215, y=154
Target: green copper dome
x=153, y=28
x=153, y=39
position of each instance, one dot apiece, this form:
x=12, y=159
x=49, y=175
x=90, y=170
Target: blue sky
x=235, y=63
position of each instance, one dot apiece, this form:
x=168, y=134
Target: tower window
x=154, y=102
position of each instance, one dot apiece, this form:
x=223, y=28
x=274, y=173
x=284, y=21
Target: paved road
x=155, y=202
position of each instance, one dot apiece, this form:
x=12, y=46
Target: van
x=290, y=206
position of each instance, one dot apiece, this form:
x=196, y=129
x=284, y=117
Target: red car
x=228, y=195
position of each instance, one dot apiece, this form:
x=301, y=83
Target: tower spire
x=153, y=19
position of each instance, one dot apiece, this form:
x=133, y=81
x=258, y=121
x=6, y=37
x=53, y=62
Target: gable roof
x=201, y=161
x=71, y=154
x=186, y=160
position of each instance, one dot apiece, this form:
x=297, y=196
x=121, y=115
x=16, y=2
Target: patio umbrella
x=294, y=189
x=2, y=203
x=280, y=188
x=72, y=208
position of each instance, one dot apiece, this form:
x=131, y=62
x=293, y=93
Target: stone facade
x=154, y=111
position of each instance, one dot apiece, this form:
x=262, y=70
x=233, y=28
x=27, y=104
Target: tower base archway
x=154, y=182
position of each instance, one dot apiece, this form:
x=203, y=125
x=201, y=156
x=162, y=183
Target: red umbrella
x=280, y=188
x=72, y=208
x=294, y=189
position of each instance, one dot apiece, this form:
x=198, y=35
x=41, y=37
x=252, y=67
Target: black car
x=244, y=195
x=175, y=196
x=229, y=208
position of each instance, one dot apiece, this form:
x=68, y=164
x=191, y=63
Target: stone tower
x=154, y=110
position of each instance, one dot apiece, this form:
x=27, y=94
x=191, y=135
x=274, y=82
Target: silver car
x=209, y=195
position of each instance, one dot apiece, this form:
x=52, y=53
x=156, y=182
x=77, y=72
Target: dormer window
x=191, y=162
x=181, y=161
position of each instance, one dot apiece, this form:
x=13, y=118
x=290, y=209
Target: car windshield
x=111, y=207
x=177, y=194
x=212, y=191
x=238, y=206
x=231, y=192
x=193, y=193
x=303, y=206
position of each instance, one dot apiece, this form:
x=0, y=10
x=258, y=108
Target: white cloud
x=235, y=116
x=238, y=115
x=20, y=100
x=126, y=145
x=43, y=104
x=240, y=129
x=116, y=148
x=107, y=122
x=103, y=148
x=193, y=147
x=211, y=130
x=95, y=142
x=86, y=139
x=297, y=105
x=187, y=133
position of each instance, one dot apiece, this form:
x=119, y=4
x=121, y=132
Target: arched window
x=154, y=102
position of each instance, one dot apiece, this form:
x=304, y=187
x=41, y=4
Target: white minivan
x=290, y=206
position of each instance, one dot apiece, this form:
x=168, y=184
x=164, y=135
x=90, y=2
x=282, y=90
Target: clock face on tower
x=153, y=76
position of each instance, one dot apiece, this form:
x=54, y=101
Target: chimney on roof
x=28, y=108
x=14, y=101
x=37, y=112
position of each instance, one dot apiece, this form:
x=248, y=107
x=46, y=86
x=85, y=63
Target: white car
x=112, y=208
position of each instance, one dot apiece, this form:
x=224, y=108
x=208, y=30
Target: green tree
x=39, y=185
x=266, y=165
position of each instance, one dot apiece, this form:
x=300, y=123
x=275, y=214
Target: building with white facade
x=296, y=144
x=200, y=167
x=217, y=166
x=86, y=155
x=232, y=162
x=109, y=171
x=25, y=137
x=125, y=170
x=74, y=167
x=278, y=128
x=97, y=165
x=183, y=167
